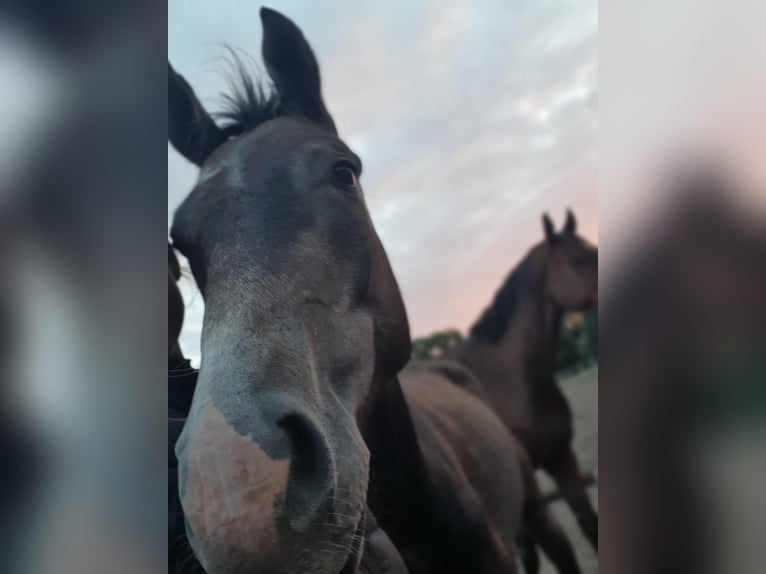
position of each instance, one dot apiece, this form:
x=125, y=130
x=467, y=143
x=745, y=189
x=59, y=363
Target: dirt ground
x=732, y=469
x=582, y=392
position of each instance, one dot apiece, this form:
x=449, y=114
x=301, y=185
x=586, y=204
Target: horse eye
x=344, y=175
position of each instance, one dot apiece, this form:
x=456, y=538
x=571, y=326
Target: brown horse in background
x=512, y=350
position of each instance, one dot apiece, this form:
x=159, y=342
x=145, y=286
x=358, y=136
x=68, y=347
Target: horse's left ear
x=293, y=68
x=570, y=226
x=191, y=130
x=550, y=231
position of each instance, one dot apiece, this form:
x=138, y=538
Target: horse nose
x=311, y=482
x=245, y=486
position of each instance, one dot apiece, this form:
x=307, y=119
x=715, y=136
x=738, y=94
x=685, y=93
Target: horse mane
x=251, y=100
x=493, y=322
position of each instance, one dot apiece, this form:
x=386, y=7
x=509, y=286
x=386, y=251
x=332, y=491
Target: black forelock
x=251, y=100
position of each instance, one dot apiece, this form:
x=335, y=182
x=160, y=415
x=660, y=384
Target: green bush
x=578, y=343
x=439, y=345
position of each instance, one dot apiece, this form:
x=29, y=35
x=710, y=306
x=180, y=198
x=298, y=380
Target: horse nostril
x=310, y=482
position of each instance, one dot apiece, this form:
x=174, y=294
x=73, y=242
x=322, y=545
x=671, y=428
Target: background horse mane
x=493, y=322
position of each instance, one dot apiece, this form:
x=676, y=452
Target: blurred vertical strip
x=83, y=219
x=682, y=229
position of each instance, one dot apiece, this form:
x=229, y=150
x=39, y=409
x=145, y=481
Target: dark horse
x=298, y=424
x=512, y=350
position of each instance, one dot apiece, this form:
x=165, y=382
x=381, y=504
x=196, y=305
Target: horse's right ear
x=550, y=231
x=191, y=130
x=570, y=227
x=293, y=68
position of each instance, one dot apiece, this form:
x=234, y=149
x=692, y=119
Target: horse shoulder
x=471, y=458
x=453, y=371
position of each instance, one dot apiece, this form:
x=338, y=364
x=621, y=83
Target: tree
x=578, y=341
x=439, y=345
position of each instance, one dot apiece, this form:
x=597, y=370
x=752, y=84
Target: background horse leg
x=566, y=473
x=543, y=529
x=540, y=528
x=530, y=559
x=500, y=560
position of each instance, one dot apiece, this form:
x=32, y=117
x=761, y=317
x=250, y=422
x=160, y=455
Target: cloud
x=471, y=119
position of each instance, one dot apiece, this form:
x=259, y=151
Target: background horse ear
x=570, y=227
x=293, y=68
x=550, y=231
x=191, y=130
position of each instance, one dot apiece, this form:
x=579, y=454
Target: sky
x=472, y=119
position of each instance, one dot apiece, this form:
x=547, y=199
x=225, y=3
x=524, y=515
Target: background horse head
x=572, y=267
x=558, y=274
x=302, y=318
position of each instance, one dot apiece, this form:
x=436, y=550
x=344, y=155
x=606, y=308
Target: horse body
x=495, y=483
x=448, y=503
x=453, y=425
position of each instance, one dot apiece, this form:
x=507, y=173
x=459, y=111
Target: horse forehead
x=271, y=143
x=279, y=136
x=576, y=245
x=585, y=244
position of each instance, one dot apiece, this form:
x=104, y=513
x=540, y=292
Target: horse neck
x=529, y=343
x=388, y=429
x=397, y=492
x=532, y=335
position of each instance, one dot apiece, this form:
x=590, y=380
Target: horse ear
x=191, y=130
x=550, y=231
x=293, y=68
x=570, y=227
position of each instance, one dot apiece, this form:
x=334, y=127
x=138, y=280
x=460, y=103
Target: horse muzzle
x=269, y=494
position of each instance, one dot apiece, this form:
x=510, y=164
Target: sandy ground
x=582, y=392
x=731, y=467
